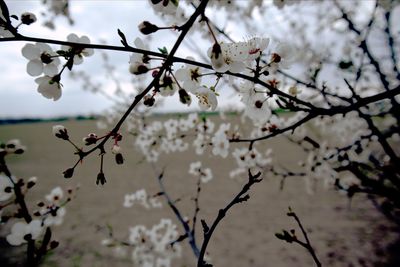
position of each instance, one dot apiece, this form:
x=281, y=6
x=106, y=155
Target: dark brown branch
x=240, y=197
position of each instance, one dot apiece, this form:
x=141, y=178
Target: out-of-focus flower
x=14, y=146
x=55, y=195
x=6, y=188
x=21, y=231
x=196, y=169
x=138, y=63
x=220, y=141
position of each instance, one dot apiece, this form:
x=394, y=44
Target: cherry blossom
x=138, y=63
x=196, y=169
x=13, y=146
x=6, y=191
x=282, y=56
x=141, y=197
x=152, y=246
x=207, y=98
x=42, y=59
x=78, y=50
x=190, y=76
x=234, y=57
x=256, y=103
x=220, y=141
x=21, y=232
x=49, y=87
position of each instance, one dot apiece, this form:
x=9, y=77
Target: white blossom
x=48, y=87
x=196, y=169
x=190, y=76
x=20, y=230
x=207, y=98
x=42, y=59
x=6, y=183
x=79, y=51
x=220, y=141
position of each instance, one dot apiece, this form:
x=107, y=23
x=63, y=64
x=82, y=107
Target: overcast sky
x=99, y=20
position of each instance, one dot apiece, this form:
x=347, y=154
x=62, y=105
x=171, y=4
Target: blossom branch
x=239, y=198
x=291, y=237
x=189, y=233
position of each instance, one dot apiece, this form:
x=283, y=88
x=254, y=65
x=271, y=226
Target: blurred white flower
x=21, y=230
x=138, y=63
x=54, y=216
x=6, y=188
x=55, y=195
x=196, y=169
x=14, y=146
x=234, y=56
x=220, y=141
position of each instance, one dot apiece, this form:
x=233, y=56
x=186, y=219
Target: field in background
x=343, y=233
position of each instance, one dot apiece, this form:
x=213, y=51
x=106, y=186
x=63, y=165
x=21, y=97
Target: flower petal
x=34, y=67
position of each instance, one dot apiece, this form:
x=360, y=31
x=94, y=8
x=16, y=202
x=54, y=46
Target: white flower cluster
x=53, y=211
x=43, y=60
x=12, y=146
x=164, y=137
x=196, y=169
x=250, y=159
x=256, y=103
x=141, y=197
x=235, y=57
x=152, y=247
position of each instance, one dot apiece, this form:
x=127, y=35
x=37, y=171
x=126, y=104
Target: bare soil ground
x=343, y=233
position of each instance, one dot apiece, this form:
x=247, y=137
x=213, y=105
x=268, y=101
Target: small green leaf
x=163, y=50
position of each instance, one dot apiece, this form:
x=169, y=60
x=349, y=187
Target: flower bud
x=119, y=159
x=275, y=58
x=31, y=182
x=101, y=178
x=147, y=28
x=116, y=149
x=148, y=100
x=138, y=68
x=61, y=132
x=184, y=97
x=54, y=244
x=68, y=173
x=90, y=139
x=28, y=18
